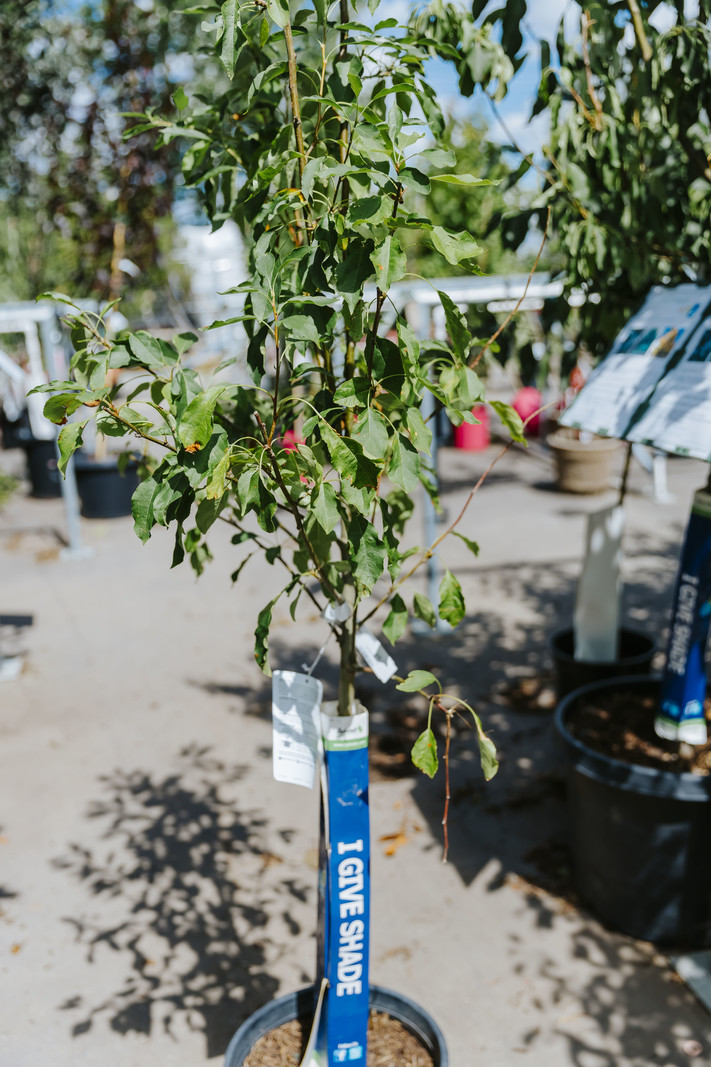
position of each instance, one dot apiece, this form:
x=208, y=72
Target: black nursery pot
x=301, y=1006
x=105, y=493
x=634, y=656
x=640, y=837
x=45, y=479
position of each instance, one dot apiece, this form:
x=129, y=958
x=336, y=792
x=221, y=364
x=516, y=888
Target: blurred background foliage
x=81, y=209
x=624, y=102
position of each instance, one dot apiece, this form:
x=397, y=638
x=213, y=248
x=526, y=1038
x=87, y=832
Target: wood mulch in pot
x=390, y=1044
x=621, y=725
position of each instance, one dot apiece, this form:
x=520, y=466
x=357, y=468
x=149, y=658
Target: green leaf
x=348, y=459
x=511, y=420
x=325, y=507
x=301, y=328
x=396, y=623
x=471, y=545
x=404, y=468
x=423, y=609
x=195, y=426
x=360, y=500
x=208, y=511
x=180, y=99
x=412, y=178
x=278, y=11
x=148, y=350
x=487, y=749
x=178, y=550
x=183, y=341
x=457, y=328
x=354, y=270
x=462, y=179
x=455, y=247
x=370, y=209
x=408, y=343
x=439, y=157
x=263, y=33
x=216, y=482
x=390, y=263
x=142, y=508
x=372, y=432
x=420, y=433
x=368, y=552
x=424, y=753
x=58, y=407
x=353, y=393
x=417, y=680
x=451, y=600
x=58, y=298
x=261, y=638
x=228, y=42
x=70, y=438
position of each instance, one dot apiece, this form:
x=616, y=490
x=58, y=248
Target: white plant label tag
x=381, y=664
x=336, y=613
x=296, y=721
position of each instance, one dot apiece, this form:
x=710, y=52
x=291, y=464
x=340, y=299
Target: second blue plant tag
x=684, y=682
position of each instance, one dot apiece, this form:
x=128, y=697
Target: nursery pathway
x=156, y=885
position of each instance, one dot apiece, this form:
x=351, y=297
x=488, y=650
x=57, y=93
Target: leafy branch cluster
x=328, y=123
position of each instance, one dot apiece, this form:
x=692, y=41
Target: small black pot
x=301, y=1006
x=640, y=836
x=45, y=479
x=105, y=493
x=635, y=651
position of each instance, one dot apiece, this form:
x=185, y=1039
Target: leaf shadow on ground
x=177, y=894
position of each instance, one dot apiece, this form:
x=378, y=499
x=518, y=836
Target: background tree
x=626, y=170
x=474, y=208
x=76, y=198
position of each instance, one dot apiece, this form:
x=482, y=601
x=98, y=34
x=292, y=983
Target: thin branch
x=294, y=509
x=640, y=32
x=114, y=412
x=592, y=92
x=429, y=552
x=447, y=796
x=263, y=547
x=508, y=318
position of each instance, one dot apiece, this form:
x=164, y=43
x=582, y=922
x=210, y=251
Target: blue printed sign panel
x=348, y=889
x=684, y=682
x=613, y=398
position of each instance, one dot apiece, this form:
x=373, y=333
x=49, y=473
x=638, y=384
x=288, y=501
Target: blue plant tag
x=681, y=714
x=347, y=917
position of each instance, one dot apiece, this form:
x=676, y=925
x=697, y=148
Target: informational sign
x=678, y=417
x=614, y=397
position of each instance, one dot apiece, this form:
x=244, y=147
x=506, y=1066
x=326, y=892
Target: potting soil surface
x=621, y=725
x=390, y=1044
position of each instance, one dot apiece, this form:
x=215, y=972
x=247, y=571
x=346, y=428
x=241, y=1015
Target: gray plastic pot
x=300, y=1005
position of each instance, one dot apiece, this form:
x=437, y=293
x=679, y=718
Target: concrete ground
x=157, y=885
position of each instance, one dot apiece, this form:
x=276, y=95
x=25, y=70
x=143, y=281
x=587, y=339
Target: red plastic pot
x=474, y=437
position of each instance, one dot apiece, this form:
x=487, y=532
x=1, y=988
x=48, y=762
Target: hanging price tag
x=296, y=719
x=336, y=613
x=381, y=664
